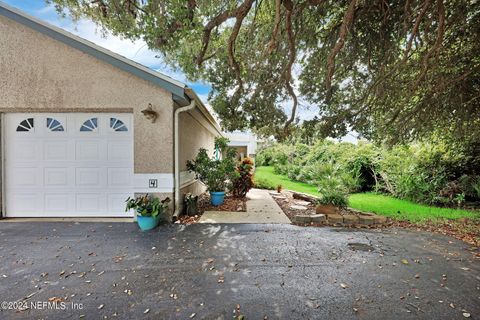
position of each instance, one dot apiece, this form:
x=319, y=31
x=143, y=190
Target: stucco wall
x=40, y=74
x=194, y=134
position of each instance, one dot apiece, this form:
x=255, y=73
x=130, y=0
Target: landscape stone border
x=354, y=219
x=349, y=220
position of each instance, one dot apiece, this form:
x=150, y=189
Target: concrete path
x=261, y=208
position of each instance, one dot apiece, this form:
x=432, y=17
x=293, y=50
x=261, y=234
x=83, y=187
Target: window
x=117, y=125
x=54, y=125
x=89, y=125
x=26, y=125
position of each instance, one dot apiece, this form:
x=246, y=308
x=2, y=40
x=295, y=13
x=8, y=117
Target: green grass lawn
x=371, y=202
x=267, y=178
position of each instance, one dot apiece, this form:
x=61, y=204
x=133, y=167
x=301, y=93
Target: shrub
x=215, y=172
x=273, y=155
x=264, y=184
x=244, y=181
x=423, y=172
x=332, y=191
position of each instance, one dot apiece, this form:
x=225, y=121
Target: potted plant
x=216, y=172
x=279, y=188
x=333, y=195
x=191, y=204
x=149, y=210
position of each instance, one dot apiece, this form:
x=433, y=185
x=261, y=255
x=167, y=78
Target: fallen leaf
x=404, y=261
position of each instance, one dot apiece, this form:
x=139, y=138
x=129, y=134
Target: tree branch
x=217, y=21
x=291, y=60
x=438, y=41
x=241, y=14
x=273, y=41
x=346, y=23
x=416, y=26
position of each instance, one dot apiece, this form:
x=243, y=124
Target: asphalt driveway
x=102, y=270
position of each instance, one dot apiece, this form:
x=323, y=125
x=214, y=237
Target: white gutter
x=177, y=157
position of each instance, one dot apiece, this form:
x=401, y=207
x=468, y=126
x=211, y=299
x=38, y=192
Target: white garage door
x=68, y=165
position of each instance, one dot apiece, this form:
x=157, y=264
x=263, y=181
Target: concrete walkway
x=261, y=208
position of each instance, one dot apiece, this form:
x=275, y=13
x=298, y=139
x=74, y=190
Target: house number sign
x=153, y=183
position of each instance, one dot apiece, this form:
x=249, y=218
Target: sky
x=133, y=50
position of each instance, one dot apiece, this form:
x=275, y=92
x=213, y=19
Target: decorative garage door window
x=54, y=125
x=117, y=125
x=26, y=125
x=89, y=125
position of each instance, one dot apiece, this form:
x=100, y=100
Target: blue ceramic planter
x=147, y=223
x=216, y=198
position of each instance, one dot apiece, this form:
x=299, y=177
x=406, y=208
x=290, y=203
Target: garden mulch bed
x=467, y=230
x=230, y=204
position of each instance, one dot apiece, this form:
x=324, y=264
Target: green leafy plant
x=191, y=204
x=332, y=191
x=217, y=172
x=147, y=205
x=264, y=184
x=244, y=181
x=476, y=187
x=431, y=172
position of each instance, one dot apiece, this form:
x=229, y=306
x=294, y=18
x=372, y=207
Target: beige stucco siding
x=194, y=133
x=40, y=74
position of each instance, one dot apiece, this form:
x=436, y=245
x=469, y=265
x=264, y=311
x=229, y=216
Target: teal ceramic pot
x=147, y=223
x=216, y=198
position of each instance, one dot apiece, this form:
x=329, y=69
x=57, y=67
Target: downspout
x=177, y=158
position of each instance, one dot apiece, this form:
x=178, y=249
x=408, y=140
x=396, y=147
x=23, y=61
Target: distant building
x=244, y=142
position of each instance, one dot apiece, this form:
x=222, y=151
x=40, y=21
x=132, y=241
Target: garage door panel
x=90, y=202
x=88, y=177
x=56, y=177
x=57, y=169
x=118, y=177
x=88, y=150
x=57, y=202
x=26, y=150
x=56, y=150
x=25, y=202
x=119, y=151
x=116, y=203
x=24, y=177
